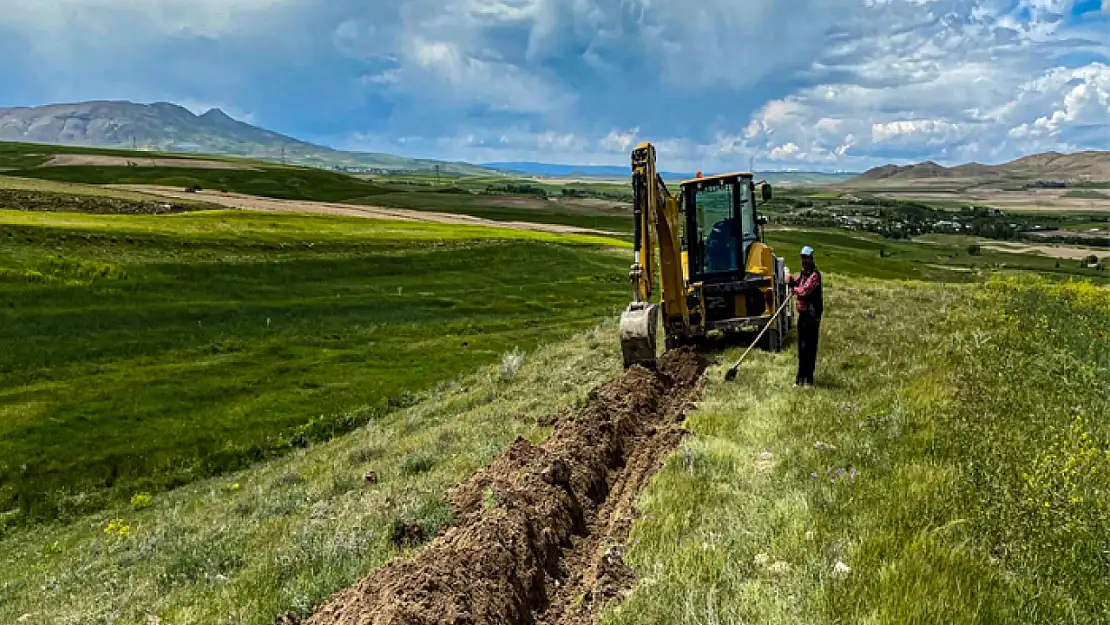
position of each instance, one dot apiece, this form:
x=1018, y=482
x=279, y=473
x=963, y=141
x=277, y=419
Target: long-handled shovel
x=731, y=374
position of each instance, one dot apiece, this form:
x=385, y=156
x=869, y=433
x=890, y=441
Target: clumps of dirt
x=50, y=202
x=548, y=420
x=540, y=531
x=406, y=534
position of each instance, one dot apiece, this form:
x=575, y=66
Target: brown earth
x=99, y=160
x=540, y=531
x=1063, y=252
x=251, y=202
x=50, y=202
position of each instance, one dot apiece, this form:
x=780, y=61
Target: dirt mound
x=540, y=530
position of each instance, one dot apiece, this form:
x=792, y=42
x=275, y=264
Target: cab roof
x=719, y=177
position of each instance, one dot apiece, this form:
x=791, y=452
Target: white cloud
x=212, y=18
x=617, y=141
x=952, y=88
x=442, y=70
x=930, y=130
x=832, y=83
x=789, y=150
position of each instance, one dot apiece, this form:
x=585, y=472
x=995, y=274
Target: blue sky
x=806, y=84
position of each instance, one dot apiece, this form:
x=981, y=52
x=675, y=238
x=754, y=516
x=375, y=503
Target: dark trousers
x=809, y=328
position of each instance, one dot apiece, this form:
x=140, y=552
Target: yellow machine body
x=714, y=278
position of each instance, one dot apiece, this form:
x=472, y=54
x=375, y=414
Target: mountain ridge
x=1076, y=167
x=170, y=127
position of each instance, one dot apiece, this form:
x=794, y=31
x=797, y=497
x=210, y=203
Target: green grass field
x=21, y=160
x=283, y=535
x=270, y=181
x=240, y=372
x=1103, y=226
x=1087, y=194
x=939, y=258
x=919, y=462
x=146, y=352
x=14, y=156
x=950, y=467
x=614, y=220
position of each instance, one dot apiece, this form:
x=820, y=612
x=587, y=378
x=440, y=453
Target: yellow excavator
x=717, y=276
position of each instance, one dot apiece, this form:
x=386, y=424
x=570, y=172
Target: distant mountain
x=1051, y=166
x=169, y=127
x=614, y=171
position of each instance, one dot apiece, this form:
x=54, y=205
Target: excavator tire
x=639, y=325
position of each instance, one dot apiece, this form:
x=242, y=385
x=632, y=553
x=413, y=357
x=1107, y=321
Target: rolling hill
x=1080, y=167
x=169, y=127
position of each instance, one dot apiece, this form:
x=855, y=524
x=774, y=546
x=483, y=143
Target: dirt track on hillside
x=548, y=550
x=101, y=160
x=1063, y=252
x=251, y=202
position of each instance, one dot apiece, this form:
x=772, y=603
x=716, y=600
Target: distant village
x=897, y=219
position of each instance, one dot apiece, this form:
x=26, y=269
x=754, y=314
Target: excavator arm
x=656, y=214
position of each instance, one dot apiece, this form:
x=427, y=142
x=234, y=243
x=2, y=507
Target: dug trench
x=539, y=533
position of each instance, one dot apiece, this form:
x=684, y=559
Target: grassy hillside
x=29, y=155
x=936, y=258
x=143, y=352
x=283, y=535
x=278, y=182
x=906, y=464
x=950, y=467
x=613, y=218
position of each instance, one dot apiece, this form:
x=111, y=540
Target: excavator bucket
x=638, y=331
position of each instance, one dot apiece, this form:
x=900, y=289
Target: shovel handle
x=736, y=365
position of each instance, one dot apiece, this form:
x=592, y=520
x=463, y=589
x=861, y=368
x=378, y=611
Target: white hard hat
x=807, y=251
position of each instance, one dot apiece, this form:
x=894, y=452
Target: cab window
x=717, y=228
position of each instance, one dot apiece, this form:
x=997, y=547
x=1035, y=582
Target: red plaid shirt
x=807, y=286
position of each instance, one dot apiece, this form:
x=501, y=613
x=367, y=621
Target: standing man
x=811, y=305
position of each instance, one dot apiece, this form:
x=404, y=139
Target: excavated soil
x=541, y=530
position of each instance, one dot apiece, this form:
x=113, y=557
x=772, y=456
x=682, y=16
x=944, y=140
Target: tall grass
x=284, y=535
x=1031, y=424
x=950, y=467
x=136, y=361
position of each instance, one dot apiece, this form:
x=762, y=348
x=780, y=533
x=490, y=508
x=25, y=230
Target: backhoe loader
x=717, y=276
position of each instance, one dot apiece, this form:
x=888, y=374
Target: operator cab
x=721, y=225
